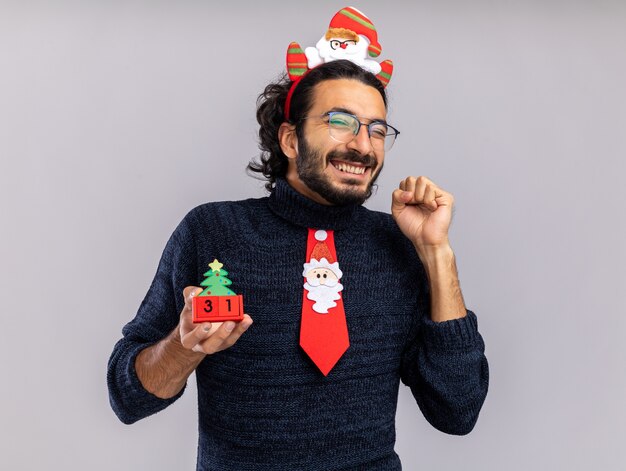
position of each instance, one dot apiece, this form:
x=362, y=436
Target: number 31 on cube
x=217, y=308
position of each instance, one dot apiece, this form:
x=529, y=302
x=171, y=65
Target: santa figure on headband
x=352, y=36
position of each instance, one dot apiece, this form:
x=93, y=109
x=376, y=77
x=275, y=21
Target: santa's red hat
x=321, y=249
x=352, y=19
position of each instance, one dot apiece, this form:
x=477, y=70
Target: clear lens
x=390, y=138
x=378, y=130
x=343, y=127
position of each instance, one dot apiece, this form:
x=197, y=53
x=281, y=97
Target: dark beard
x=308, y=163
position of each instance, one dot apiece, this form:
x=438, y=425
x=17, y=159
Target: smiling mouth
x=350, y=168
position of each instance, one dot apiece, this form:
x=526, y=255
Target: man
x=262, y=402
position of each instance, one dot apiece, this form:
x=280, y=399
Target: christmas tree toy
x=217, y=303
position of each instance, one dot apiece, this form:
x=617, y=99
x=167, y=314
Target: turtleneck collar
x=300, y=210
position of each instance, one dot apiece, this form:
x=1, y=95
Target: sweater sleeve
x=447, y=371
x=157, y=316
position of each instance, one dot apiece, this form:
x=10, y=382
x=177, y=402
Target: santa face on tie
x=322, y=284
x=322, y=276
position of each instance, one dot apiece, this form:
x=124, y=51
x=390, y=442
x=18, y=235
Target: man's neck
x=303, y=211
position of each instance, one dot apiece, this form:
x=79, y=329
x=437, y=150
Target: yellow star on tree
x=216, y=265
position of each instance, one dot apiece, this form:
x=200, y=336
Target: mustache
x=352, y=156
x=317, y=284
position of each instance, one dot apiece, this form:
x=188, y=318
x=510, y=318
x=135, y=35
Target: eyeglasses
x=344, y=127
x=335, y=43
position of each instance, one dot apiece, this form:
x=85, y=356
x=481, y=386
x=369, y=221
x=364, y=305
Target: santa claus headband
x=351, y=36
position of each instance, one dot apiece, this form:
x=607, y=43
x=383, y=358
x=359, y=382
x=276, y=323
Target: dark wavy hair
x=270, y=113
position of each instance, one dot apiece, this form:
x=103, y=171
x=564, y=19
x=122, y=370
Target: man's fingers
x=422, y=192
x=225, y=336
x=199, y=334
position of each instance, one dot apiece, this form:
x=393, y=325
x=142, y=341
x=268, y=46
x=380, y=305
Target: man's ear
x=288, y=140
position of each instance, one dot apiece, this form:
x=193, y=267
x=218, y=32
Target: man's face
x=334, y=172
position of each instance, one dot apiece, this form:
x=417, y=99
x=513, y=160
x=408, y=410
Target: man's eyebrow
x=346, y=110
x=342, y=110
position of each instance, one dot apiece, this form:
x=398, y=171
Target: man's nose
x=361, y=142
x=344, y=45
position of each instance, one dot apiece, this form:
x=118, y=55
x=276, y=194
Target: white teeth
x=350, y=168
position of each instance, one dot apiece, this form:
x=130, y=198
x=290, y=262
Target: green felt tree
x=216, y=281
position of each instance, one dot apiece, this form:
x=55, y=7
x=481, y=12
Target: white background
x=118, y=117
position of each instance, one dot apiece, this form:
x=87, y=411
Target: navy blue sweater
x=262, y=404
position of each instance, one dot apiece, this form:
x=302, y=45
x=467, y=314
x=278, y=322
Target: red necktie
x=323, y=332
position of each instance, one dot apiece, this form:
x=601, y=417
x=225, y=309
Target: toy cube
x=217, y=308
